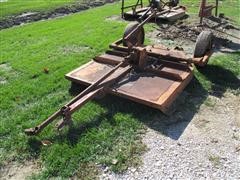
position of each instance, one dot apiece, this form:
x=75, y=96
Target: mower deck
x=151, y=75
x=168, y=14
x=156, y=86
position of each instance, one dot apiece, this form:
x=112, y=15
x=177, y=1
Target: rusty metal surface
x=170, y=14
x=143, y=86
x=87, y=75
x=162, y=51
x=173, y=14
x=109, y=59
x=147, y=86
x=172, y=70
x=205, y=9
x=160, y=100
x=91, y=71
x=166, y=52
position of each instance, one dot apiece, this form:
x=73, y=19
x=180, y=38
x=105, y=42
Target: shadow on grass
x=34, y=147
x=221, y=43
x=221, y=79
x=225, y=46
x=172, y=126
x=74, y=133
x=189, y=102
x=187, y=105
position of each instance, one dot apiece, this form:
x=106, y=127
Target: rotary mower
x=153, y=75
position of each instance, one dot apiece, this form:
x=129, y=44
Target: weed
x=209, y=102
x=215, y=160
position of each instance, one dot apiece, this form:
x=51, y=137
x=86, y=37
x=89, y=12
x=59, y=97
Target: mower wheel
x=203, y=43
x=173, y=3
x=137, y=38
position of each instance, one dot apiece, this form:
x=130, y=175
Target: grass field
x=231, y=8
x=12, y=7
x=104, y=131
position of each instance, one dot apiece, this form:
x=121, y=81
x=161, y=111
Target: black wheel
x=137, y=38
x=203, y=43
x=173, y=3
x=156, y=4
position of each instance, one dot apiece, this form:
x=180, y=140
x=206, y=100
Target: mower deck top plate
x=147, y=88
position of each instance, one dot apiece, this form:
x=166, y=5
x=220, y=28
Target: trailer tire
x=203, y=43
x=137, y=38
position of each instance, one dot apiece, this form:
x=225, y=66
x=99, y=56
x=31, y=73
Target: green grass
x=12, y=7
x=215, y=160
x=104, y=132
x=230, y=8
x=15, y=7
x=221, y=74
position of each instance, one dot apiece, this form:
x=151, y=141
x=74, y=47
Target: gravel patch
x=206, y=147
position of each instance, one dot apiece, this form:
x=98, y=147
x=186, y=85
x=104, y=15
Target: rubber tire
x=156, y=4
x=139, y=36
x=203, y=43
x=174, y=3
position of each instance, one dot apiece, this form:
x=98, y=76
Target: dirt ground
x=183, y=34
x=15, y=171
x=27, y=17
x=202, y=144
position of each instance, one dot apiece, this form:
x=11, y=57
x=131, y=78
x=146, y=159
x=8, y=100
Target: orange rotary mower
x=149, y=74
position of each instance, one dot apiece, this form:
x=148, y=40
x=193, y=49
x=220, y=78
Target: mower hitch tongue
x=152, y=75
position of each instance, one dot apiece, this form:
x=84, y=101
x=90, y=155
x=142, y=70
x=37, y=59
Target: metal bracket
x=67, y=118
